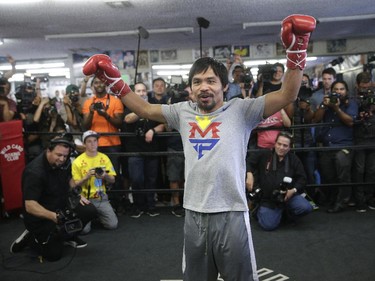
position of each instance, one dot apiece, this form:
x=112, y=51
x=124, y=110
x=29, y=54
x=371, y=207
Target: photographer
x=8, y=107
x=364, y=134
x=93, y=171
x=241, y=85
x=47, y=119
x=335, y=165
x=267, y=180
x=54, y=214
x=103, y=113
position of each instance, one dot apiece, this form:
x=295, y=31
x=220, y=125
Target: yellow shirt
x=81, y=166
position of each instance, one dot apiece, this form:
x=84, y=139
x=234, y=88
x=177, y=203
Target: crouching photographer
x=275, y=179
x=54, y=214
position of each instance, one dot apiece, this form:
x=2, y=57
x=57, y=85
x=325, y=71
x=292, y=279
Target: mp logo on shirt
x=204, y=134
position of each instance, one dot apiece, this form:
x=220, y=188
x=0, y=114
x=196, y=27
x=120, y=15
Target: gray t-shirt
x=215, y=147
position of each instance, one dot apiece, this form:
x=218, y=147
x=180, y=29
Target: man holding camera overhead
x=91, y=171
x=103, y=113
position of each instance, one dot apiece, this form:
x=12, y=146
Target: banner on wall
x=12, y=163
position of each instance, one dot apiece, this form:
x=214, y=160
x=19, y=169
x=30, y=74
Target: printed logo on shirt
x=204, y=134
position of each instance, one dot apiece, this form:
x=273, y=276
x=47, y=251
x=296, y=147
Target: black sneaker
x=21, y=242
x=152, y=213
x=178, y=211
x=371, y=205
x=76, y=242
x=136, y=214
x=361, y=208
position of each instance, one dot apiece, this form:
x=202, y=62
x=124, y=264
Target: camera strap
x=88, y=191
x=273, y=161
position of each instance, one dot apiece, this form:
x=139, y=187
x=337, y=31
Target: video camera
x=67, y=219
x=304, y=93
x=25, y=95
x=177, y=91
x=278, y=195
x=247, y=78
x=267, y=71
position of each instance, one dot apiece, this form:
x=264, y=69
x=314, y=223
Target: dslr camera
x=278, y=195
x=334, y=97
x=98, y=106
x=73, y=97
x=67, y=219
x=99, y=171
x=267, y=71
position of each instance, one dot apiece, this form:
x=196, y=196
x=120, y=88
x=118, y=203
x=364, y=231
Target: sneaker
x=178, y=211
x=152, y=213
x=361, y=208
x=371, y=205
x=21, y=242
x=136, y=214
x=76, y=242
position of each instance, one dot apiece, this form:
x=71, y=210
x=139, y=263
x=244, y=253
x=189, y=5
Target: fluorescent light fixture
x=47, y=70
x=251, y=63
x=19, y=1
x=172, y=66
x=172, y=72
x=117, y=33
x=18, y=77
x=33, y=66
x=330, y=19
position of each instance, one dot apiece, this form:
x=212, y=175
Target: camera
x=25, y=95
x=247, y=78
x=256, y=194
x=73, y=97
x=278, y=195
x=98, y=106
x=333, y=97
x=267, y=71
x=67, y=219
x=177, y=91
x=304, y=94
x=99, y=171
x=140, y=132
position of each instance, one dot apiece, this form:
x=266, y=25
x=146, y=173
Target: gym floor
x=321, y=246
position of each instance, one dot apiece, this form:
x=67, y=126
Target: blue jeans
x=143, y=174
x=270, y=218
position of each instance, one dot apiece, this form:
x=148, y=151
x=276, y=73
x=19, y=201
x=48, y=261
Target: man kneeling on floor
x=275, y=179
x=54, y=214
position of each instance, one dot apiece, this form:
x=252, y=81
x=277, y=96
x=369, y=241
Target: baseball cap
x=71, y=89
x=89, y=133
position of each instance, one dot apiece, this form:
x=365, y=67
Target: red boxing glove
x=295, y=35
x=106, y=71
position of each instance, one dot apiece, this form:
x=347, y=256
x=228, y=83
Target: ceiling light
x=19, y=1
x=1, y=41
x=331, y=19
x=118, y=33
x=118, y=4
x=172, y=66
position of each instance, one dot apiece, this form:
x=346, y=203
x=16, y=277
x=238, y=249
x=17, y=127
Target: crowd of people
x=274, y=174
